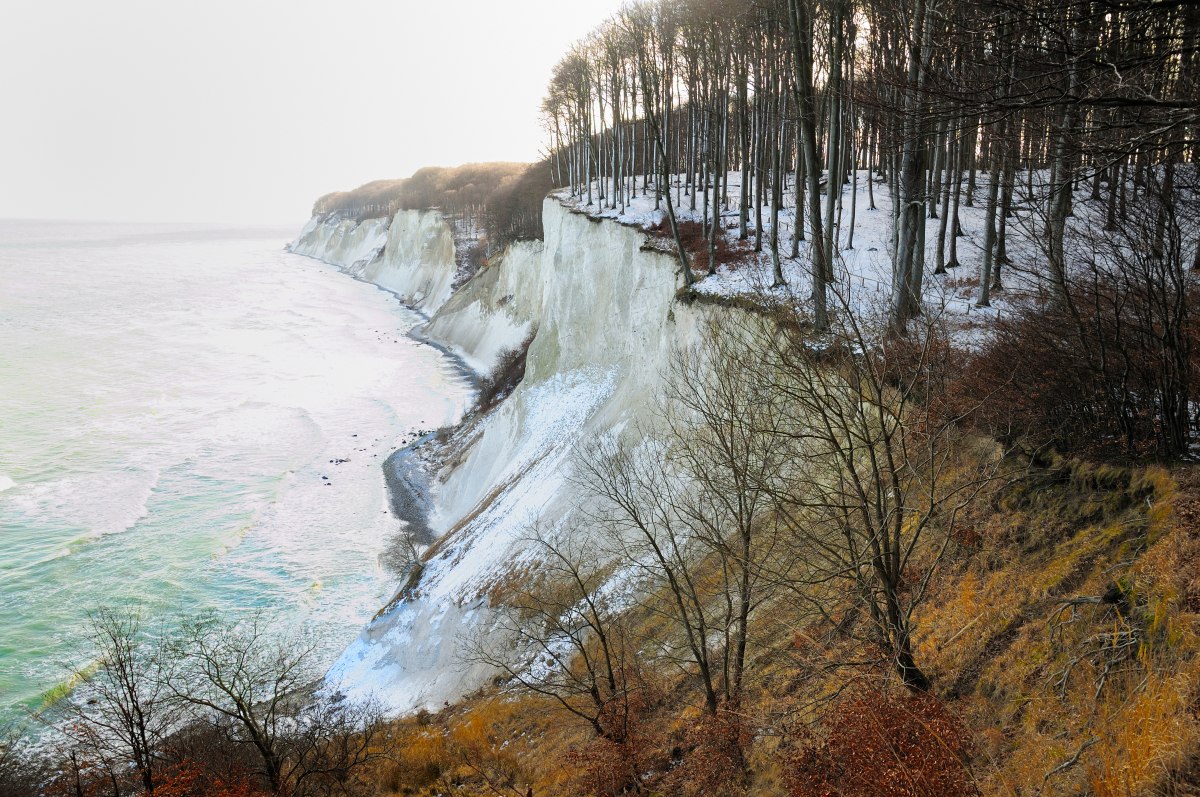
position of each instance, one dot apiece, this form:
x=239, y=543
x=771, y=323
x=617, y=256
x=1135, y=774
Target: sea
x=193, y=420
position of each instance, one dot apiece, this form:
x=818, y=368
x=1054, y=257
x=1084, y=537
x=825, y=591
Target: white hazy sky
x=246, y=110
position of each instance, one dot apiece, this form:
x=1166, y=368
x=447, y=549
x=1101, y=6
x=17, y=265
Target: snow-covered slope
x=606, y=321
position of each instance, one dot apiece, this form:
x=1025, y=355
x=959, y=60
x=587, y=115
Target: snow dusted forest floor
x=863, y=264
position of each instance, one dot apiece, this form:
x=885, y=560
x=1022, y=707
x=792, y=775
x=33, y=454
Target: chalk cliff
x=606, y=321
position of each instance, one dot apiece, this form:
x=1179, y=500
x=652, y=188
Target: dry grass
x=1054, y=699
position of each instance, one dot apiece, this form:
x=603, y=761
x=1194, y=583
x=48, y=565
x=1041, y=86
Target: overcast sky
x=247, y=110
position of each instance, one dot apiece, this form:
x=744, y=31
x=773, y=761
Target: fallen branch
x=1072, y=761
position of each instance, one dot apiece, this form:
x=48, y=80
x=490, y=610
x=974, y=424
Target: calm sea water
x=173, y=401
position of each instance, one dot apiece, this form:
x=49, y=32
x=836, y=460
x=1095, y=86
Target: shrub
x=504, y=378
x=605, y=767
x=1084, y=382
x=886, y=745
x=613, y=763
x=718, y=748
x=1107, y=364
x=695, y=243
x=191, y=780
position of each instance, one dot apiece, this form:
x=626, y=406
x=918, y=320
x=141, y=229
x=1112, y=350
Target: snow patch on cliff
x=417, y=654
x=607, y=324
x=555, y=413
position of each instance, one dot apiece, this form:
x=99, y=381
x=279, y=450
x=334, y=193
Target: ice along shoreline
x=407, y=477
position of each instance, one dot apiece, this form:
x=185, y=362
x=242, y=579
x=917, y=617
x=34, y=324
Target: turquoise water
x=172, y=404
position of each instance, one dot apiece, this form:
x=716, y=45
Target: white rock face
x=607, y=324
x=412, y=254
x=495, y=310
x=418, y=261
x=342, y=242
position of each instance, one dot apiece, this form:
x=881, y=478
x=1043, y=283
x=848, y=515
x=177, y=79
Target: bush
x=885, y=745
x=1106, y=364
x=1087, y=382
x=718, y=748
x=695, y=243
x=613, y=763
x=191, y=780
x=504, y=378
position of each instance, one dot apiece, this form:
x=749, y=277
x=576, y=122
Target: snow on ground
x=864, y=271
x=417, y=653
x=489, y=546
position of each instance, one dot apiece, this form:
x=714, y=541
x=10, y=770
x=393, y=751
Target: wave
x=242, y=426
x=98, y=504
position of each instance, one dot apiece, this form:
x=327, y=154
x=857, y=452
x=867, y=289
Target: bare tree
x=331, y=745
x=123, y=709
x=250, y=683
x=881, y=470
x=692, y=515
x=565, y=638
x=23, y=773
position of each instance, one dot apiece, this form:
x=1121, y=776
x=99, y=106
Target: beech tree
x=933, y=97
x=877, y=477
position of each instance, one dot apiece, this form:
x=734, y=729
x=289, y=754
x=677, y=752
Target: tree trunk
x=989, y=238
x=833, y=144
x=906, y=280
x=801, y=25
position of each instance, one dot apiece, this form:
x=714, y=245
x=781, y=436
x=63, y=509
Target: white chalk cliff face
x=411, y=254
x=606, y=321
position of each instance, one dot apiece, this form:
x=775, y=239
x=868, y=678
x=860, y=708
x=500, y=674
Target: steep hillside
x=1061, y=643
x=1058, y=630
